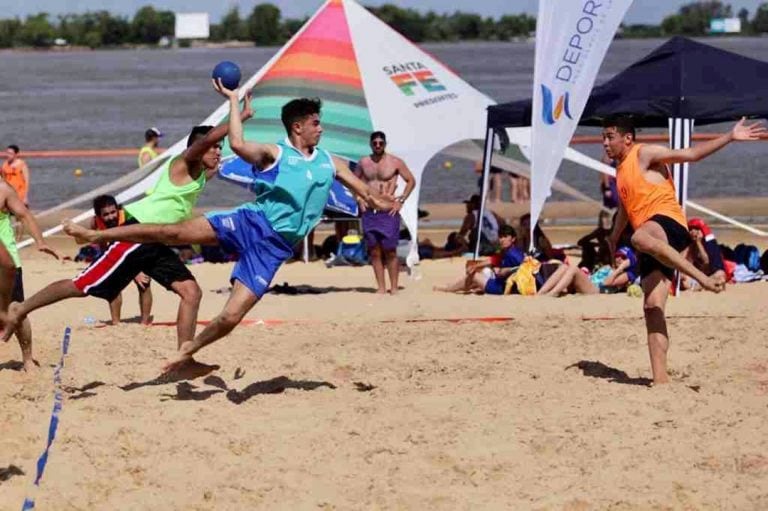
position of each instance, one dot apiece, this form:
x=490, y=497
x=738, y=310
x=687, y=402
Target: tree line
x=265, y=26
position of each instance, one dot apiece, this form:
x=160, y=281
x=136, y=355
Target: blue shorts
x=495, y=286
x=262, y=250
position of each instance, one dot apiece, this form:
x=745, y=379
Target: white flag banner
x=572, y=38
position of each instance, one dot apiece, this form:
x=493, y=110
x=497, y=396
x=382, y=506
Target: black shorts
x=678, y=238
x=18, y=287
x=108, y=275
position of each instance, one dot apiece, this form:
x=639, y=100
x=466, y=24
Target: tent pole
x=305, y=250
x=680, y=131
x=487, y=156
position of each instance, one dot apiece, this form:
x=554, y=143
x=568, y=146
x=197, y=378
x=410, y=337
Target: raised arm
x=256, y=153
x=21, y=211
x=196, y=151
x=654, y=154
x=348, y=179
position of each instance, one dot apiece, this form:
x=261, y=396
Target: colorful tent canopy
x=370, y=78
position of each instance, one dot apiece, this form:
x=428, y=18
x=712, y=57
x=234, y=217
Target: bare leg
x=496, y=178
x=186, y=319
x=52, y=293
x=378, y=269
x=195, y=231
x=24, y=336
x=655, y=292
x=582, y=284
x=241, y=300
x=393, y=268
x=145, y=305
x=564, y=281
x=7, y=279
x=651, y=239
x=114, y=309
x=513, y=191
x=455, y=287
x=553, y=279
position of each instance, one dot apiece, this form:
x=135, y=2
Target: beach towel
x=525, y=278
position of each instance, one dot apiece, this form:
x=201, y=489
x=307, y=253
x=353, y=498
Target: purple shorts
x=381, y=229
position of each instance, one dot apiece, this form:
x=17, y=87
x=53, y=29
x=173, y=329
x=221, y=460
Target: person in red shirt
x=107, y=214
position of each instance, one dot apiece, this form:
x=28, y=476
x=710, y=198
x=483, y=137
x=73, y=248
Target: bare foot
x=80, y=233
x=30, y=365
x=381, y=291
x=12, y=321
x=186, y=367
x=662, y=380
x=714, y=284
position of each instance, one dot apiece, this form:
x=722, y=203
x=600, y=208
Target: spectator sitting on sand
x=595, y=248
x=485, y=277
x=489, y=227
x=704, y=253
x=454, y=246
x=624, y=273
x=542, y=246
x=567, y=279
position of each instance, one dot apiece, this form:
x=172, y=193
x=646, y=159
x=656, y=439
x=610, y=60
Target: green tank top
x=168, y=203
x=8, y=237
x=147, y=150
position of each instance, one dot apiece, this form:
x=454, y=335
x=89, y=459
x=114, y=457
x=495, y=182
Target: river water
x=106, y=99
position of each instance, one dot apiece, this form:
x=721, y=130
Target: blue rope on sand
x=58, y=399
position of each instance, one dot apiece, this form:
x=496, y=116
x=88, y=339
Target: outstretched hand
x=744, y=131
x=45, y=249
x=219, y=87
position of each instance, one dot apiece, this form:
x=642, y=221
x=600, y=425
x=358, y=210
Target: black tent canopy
x=677, y=85
x=681, y=79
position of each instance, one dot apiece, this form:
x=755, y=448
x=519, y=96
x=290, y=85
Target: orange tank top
x=641, y=199
x=12, y=173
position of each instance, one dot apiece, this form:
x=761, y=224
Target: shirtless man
x=382, y=228
x=647, y=200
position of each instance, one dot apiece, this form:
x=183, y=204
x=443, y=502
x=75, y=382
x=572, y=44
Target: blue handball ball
x=229, y=72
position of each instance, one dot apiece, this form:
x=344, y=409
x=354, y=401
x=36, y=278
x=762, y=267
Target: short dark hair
x=378, y=134
x=623, y=124
x=507, y=230
x=103, y=201
x=196, y=133
x=298, y=109
x=14, y=148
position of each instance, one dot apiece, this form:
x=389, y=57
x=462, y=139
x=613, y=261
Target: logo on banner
x=411, y=77
x=551, y=111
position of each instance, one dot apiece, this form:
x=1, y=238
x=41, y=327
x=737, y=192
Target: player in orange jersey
x=647, y=200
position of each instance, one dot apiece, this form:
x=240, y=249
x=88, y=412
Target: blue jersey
x=293, y=192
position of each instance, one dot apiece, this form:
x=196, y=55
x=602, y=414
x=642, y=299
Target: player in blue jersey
x=291, y=193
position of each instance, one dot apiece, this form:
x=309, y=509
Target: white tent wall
x=419, y=125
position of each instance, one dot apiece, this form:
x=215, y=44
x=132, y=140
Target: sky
x=642, y=11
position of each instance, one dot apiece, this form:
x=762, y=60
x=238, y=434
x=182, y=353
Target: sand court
x=345, y=406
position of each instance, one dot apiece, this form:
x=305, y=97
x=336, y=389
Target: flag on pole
x=571, y=41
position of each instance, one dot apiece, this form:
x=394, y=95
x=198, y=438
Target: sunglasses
x=378, y=143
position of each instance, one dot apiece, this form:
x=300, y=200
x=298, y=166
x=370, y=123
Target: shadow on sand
x=304, y=289
x=600, y=370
